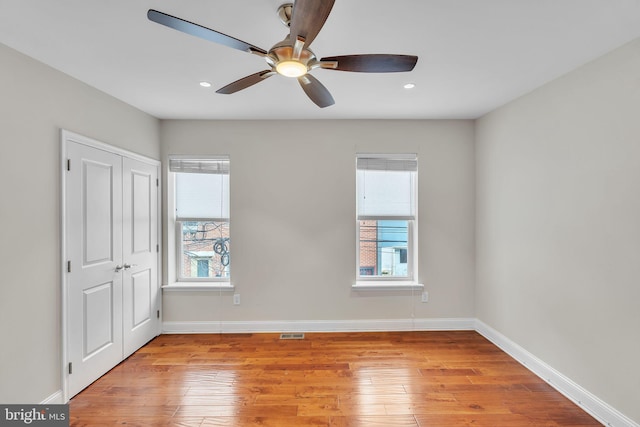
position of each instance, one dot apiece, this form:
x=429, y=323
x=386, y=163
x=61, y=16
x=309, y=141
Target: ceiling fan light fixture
x=205, y=84
x=409, y=85
x=291, y=68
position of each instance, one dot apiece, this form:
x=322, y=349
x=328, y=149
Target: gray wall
x=293, y=218
x=35, y=102
x=558, y=225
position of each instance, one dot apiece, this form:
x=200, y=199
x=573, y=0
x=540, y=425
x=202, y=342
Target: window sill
x=199, y=286
x=387, y=286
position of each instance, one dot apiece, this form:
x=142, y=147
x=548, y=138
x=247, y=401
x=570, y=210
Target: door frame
x=68, y=136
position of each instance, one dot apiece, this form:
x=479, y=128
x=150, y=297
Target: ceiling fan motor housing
x=284, y=52
x=284, y=13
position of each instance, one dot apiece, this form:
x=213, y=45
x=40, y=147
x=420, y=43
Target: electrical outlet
x=425, y=296
x=236, y=299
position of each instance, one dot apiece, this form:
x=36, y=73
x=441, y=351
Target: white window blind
x=386, y=186
x=214, y=166
x=202, y=188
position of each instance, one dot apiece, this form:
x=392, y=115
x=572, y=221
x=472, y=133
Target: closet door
x=140, y=254
x=110, y=283
x=94, y=263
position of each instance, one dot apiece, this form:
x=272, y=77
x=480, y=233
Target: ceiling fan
x=292, y=57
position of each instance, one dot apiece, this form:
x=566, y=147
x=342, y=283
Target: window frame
x=384, y=281
x=174, y=234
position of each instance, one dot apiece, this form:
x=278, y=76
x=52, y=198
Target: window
x=386, y=222
x=201, y=218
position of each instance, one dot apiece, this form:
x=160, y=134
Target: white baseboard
x=208, y=327
x=54, y=399
x=591, y=404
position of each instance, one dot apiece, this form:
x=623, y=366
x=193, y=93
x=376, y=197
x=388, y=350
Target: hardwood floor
x=441, y=379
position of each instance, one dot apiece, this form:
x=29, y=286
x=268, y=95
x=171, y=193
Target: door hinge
x=68, y=266
x=70, y=368
x=157, y=182
x=68, y=164
x=157, y=248
x=158, y=314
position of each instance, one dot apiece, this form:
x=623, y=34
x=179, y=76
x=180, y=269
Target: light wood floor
x=441, y=379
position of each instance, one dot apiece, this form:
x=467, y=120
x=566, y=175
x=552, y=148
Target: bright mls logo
x=34, y=415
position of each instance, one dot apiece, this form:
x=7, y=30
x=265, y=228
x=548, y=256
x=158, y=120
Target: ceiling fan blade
x=373, y=63
x=308, y=18
x=202, y=32
x=316, y=91
x=245, y=82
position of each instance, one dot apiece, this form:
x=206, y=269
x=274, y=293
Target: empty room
x=320, y=213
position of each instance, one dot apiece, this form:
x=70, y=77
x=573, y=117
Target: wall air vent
x=291, y=336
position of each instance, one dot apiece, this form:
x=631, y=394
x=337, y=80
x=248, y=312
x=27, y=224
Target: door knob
x=119, y=267
x=127, y=266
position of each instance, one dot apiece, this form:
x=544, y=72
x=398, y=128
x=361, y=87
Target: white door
x=94, y=255
x=111, y=242
x=140, y=253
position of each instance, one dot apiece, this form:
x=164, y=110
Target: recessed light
x=409, y=85
x=205, y=84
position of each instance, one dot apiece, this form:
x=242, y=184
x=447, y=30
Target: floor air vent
x=291, y=336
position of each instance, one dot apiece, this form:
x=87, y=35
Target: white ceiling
x=474, y=55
